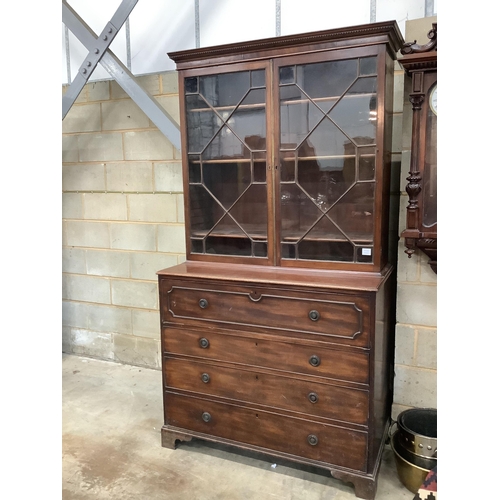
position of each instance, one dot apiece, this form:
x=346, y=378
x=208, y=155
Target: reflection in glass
x=226, y=121
x=429, y=189
x=328, y=122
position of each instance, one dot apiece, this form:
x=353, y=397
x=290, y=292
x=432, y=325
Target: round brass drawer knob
x=313, y=315
x=203, y=303
x=206, y=416
x=205, y=378
x=313, y=397
x=312, y=439
x=204, y=343
x=314, y=360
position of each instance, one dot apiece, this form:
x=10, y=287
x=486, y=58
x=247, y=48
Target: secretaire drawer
x=274, y=354
x=269, y=389
x=294, y=436
x=329, y=316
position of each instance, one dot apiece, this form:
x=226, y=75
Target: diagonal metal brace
x=119, y=72
x=101, y=44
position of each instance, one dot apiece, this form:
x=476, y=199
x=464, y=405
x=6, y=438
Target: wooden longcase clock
x=420, y=63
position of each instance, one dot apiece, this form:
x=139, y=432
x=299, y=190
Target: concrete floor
x=111, y=420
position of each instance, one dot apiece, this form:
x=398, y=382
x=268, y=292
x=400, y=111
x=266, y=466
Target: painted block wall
x=415, y=383
x=123, y=220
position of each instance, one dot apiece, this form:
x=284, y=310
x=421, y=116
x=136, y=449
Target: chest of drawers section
x=276, y=367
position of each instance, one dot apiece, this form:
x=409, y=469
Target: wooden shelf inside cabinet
x=420, y=63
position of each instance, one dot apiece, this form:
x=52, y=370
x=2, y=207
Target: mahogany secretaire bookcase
x=277, y=330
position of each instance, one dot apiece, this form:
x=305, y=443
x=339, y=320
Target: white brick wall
x=122, y=188
x=415, y=383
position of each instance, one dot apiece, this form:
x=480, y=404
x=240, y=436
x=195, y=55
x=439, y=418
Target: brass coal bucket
x=415, y=445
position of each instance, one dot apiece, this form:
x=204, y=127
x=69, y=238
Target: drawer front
x=278, y=391
x=274, y=354
x=312, y=440
x=340, y=318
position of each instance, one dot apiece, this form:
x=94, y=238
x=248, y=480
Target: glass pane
x=228, y=192
x=327, y=152
x=368, y=66
x=298, y=213
x=191, y=85
x=249, y=120
x=429, y=190
x=225, y=145
x=226, y=181
x=205, y=212
x=226, y=89
x=353, y=213
x=258, y=78
x=202, y=123
x=298, y=116
x=325, y=141
x=250, y=211
x=327, y=79
x=366, y=164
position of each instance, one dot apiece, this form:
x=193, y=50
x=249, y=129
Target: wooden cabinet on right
x=420, y=63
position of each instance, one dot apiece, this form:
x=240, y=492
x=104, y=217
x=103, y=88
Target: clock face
x=433, y=100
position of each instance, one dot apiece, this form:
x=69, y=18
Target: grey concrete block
x=108, y=263
x=170, y=82
x=129, y=176
x=171, y=239
x=100, y=147
x=83, y=177
x=170, y=104
x=98, y=91
x=145, y=265
x=109, y=319
x=427, y=348
x=105, y=206
x=151, y=83
x=152, y=207
x=138, y=294
x=94, y=344
x=180, y=208
x=69, y=148
x=67, y=344
x=86, y=289
x=87, y=234
x=82, y=118
x=146, y=323
x=147, y=145
x=427, y=275
x=75, y=314
x=408, y=268
x=416, y=304
x=415, y=387
x=168, y=177
x=73, y=260
x=399, y=86
x=137, y=351
x=123, y=115
x=405, y=345
x=133, y=237
x=397, y=132
x=72, y=206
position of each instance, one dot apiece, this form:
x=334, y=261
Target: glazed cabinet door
x=226, y=137
x=328, y=184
